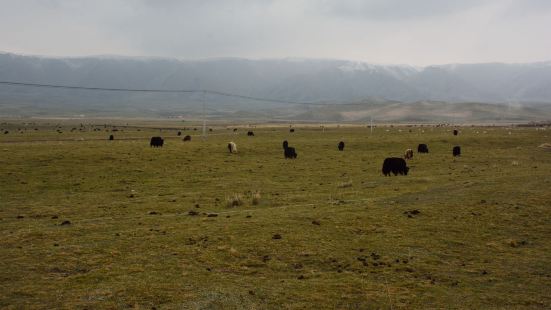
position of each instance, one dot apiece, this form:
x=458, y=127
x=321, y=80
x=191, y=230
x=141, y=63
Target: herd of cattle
x=397, y=165
x=394, y=165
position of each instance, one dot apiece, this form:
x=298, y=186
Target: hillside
x=337, y=82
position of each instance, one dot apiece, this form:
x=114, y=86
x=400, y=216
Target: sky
x=414, y=32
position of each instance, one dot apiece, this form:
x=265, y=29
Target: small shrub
x=234, y=200
x=255, y=198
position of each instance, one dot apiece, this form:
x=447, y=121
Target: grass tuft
x=235, y=200
x=255, y=198
x=345, y=184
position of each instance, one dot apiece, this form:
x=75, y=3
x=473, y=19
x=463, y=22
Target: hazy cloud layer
x=381, y=31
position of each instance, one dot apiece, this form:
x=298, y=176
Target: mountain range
x=340, y=86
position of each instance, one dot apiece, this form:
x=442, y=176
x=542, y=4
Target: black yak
x=455, y=132
x=179, y=133
x=187, y=138
x=456, y=151
x=422, y=148
x=292, y=130
x=250, y=134
x=156, y=142
x=395, y=165
x=341, y=146
x=289, y=152
x=111, y=137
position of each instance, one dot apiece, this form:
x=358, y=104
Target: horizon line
x=288, y=58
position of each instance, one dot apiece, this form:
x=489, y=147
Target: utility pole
x=204, y=115
x=371, y=125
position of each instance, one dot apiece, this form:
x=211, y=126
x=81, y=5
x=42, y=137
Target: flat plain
x=90, y=223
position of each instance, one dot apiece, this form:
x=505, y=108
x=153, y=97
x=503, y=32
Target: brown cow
x=408, y=154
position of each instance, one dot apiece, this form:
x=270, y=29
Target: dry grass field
x=89, y=223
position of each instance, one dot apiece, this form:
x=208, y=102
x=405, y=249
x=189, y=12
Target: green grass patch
x=190, y=225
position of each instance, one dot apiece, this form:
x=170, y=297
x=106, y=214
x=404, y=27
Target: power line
x=144, y=90
x=214, y=92
x=99, y=88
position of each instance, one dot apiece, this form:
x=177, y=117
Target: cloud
x=396, y=9
x=381, y=31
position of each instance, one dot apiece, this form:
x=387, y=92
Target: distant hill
x=428, y=111
x=414, y=93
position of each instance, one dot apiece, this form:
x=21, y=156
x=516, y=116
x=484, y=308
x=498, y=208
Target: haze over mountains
x=525, y=89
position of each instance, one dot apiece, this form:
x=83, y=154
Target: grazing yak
x=456, y=150
x=422, y=148
x=395, y=165
x=232, y=147
x=455, y=132
x=289, y=152
x=111, y=137
x=187, y=138
x=408, y=154
x=179, y=133
x=341, y=146
x=250, y=133
x=156, y=142
x=292, y=130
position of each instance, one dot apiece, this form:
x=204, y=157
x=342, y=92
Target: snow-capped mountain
x=312, y=80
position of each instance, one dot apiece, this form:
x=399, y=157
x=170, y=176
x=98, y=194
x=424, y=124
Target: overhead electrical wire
x=144, y=90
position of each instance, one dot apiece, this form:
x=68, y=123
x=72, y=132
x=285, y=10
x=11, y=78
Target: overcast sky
x=416, y=32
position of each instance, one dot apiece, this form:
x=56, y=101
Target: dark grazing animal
x=341, y=146
x=408, y=154
x=156, y=142
x=289, y=152
x=395, y=165
x=250, y=134
x=422, y=148
x=455, y=132
x=111, y=137
x=292, y=130
x=456, y=150
x=179, y=133
x=187, y=138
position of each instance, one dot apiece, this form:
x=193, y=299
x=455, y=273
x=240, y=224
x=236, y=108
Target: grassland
x=350, y=237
